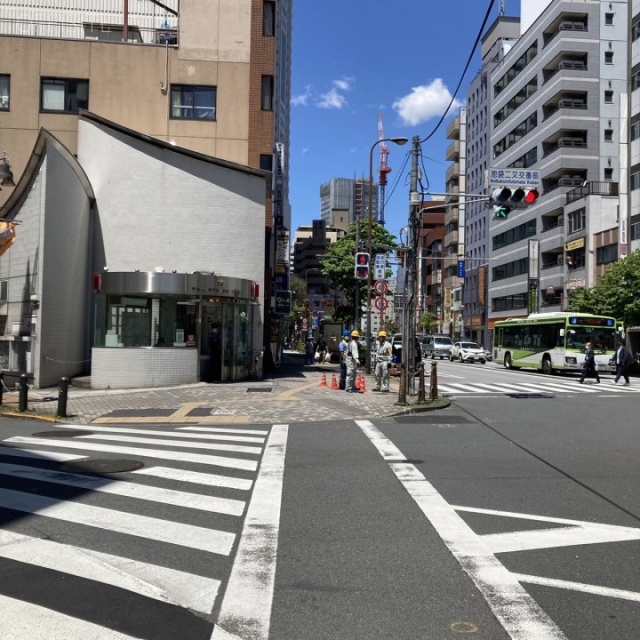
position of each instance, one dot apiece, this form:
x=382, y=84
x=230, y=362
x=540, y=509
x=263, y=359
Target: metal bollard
x=63, y=394
x=23, y=394
x=421, y=394
x=433, y=386
x=1, y=386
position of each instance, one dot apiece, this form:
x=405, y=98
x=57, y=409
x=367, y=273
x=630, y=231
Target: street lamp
x=398, y=141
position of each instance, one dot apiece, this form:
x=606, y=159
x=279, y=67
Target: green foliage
x=391, y=327
x=617, y=294
x=339, y=262
x=298, y=288
x=428, y=322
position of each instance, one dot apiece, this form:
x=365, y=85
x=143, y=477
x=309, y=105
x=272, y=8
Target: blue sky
x=355, y=59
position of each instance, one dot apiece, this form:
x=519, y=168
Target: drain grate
x=259, y=390
x=96, y=465
x=63, y=433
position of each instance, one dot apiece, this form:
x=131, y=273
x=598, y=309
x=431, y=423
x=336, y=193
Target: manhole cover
x=63, y=433
x=259, y=389
x=101, y=466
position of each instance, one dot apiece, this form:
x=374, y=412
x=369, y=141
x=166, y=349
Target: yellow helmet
x=382, y=334
x=355, y=333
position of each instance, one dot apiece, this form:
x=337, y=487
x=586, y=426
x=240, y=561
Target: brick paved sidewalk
x=293, y=394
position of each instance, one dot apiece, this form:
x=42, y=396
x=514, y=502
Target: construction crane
x=383, y=171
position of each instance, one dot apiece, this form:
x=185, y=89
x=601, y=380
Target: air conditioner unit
x=560, y=221
x=561, y=259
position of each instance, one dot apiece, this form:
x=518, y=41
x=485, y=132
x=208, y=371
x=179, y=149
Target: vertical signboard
x=534, y=275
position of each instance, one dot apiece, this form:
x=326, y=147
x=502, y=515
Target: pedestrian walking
x=589, y=366
x=308, y=357
x=383, y=363
x=623, y=359
x=321, y=349
x=342, y=349
x=353, y=362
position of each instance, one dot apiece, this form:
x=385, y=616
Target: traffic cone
x=334, y=383
x=362, y=385
x=323, y=381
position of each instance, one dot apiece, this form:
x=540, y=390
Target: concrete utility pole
x=409, y=330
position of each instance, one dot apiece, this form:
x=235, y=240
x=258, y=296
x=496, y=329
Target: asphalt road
x=511, y=514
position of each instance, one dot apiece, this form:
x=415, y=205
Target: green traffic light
x=501, y=212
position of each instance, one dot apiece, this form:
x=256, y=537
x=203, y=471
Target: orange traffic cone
x=323, y=382
x=362, y=385
x=334, y=383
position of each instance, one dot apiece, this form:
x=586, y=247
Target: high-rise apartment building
x=559, y=106
x=633, y=161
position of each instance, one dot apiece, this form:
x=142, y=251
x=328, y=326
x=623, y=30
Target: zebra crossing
x=156, y=552
x=566, y=386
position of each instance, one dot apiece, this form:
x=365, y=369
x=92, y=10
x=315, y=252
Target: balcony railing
x=593, y=189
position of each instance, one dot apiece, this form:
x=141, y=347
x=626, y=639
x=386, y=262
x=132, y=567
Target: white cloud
x=302, y=99
x=332, y=100
x=424, y=102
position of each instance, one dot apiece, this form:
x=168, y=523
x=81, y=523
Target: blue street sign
x=460, y=268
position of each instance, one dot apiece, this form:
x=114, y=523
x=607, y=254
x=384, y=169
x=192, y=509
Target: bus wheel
x=508, y=363
x=546, y=365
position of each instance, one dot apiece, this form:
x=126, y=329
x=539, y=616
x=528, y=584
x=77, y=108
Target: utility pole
x=409, y=330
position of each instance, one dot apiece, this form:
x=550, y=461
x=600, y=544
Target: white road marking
x=259, y=432
x=210, y=540
x=245, y=612
x=516, y=610
x=211, y=504
x=210, y=446
x=595, y=590
x=25, y=621
x=197, y=477
x=172, y=434
x=34, y=453
x=152, y=581
x=164, y=454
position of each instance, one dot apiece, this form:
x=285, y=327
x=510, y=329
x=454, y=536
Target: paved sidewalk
x=293, y=394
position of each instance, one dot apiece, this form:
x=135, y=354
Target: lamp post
x=398, y=141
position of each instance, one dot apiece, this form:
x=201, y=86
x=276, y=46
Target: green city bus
x=555, y=341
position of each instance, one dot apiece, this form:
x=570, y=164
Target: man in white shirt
x=353, y=362
x=383, y=363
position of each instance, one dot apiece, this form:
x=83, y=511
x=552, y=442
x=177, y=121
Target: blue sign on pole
x=460, y=268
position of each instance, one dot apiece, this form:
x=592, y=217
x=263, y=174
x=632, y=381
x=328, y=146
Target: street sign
x=381, y=304
x=380, y=266
x=283, y=302
x=514, y=178
x=460, y=268
x=380, y=287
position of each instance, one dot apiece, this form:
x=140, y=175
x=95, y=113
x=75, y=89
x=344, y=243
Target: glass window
x=608, y=173
x=577, y=220
x=64, y=94
x=608, y=19
x=266, y=161
x=4, y=290
x=4, y=92
x=191, y=102
x=608, y=97
x=608, y=57
x=243, y=326
x=4, y=355
x=608, y=135
x=266, y=101
x=268, y=18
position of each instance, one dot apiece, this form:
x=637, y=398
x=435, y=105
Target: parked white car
x=467, y=352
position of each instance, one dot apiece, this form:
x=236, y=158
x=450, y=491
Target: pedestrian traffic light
x=362, y=266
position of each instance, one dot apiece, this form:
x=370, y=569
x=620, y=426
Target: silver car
x=467, y=352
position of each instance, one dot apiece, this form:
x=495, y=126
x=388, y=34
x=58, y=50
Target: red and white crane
x=383, y=171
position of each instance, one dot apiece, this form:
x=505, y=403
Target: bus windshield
x=602, y=338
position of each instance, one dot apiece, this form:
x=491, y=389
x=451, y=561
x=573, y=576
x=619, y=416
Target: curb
x=30, y=416
x=415, y=409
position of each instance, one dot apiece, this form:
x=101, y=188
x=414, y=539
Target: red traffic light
x=531, y=196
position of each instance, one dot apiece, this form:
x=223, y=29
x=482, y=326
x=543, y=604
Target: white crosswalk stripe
x=556, y=387
x=114, y=526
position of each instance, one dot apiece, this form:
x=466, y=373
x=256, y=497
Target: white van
x=437, y=347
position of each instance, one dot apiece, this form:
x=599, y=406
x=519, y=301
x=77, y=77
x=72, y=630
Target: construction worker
x=342, y=348
x=353, y=362
x=383, y=363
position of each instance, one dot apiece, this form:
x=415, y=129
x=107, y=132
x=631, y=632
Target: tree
x=339, y=261
x=428, y=322
x=617, y=294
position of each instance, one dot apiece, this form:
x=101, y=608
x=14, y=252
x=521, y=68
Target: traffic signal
x=362, y=266
x=505, y=200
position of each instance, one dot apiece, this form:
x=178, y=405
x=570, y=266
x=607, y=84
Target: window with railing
x=510, y=269
x=526, y=160
x=192, y=102
x=511, y=236
x=634, y=181
x=520, y=98
x=516, y=134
